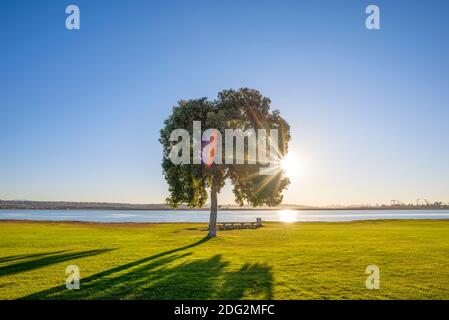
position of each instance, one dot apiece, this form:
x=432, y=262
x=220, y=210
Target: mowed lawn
x=174, y=261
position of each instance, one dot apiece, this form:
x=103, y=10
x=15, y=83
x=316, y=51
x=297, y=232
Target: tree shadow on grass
x=170, y=275
x=27, y=256
x=45, y=260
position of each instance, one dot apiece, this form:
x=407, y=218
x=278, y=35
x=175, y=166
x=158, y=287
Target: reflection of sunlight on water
x=287, y=216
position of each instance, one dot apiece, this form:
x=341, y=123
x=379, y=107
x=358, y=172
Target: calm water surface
x=223, y=215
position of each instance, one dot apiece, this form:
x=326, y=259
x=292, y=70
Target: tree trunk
x=213, y=213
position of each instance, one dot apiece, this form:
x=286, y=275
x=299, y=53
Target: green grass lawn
x=174, y=261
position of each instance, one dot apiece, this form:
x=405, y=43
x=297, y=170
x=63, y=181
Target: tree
x=233, y=109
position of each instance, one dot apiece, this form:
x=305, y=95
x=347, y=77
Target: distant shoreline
x=98, y=206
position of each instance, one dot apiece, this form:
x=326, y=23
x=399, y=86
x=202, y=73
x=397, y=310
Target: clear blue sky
x=81, y=110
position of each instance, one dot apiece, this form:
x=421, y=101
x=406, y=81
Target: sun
x=290, y=165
